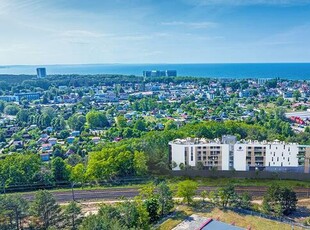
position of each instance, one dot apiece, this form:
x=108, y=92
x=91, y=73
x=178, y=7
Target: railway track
x=117, y=193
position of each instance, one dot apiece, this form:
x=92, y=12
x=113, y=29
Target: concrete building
x=41, y=72
x=193, y=152
x=159, y=73
x=27, y=96
x=241, y=155
x=8, y=98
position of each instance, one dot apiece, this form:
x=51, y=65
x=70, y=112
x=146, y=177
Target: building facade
x=41, y=72
x=159, y=73
x=229, y=154
x=196, y=152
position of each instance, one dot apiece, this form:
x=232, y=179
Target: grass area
x=244, y=182
x=180, y=214
x=247, y=221
x=244, y=221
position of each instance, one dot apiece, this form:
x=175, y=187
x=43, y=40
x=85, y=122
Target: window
x=277, y=158
x=288, y=159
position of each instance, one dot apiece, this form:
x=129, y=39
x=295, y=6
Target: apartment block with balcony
x=228, y=153
x=199, y=153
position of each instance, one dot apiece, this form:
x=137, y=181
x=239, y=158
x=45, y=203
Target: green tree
x=139, y=162
x=45, y=208
x=77, y=175
x=59, y=169
x=2, y=106
x=279, y=200
x=73, y=215
x=224, y=197
x=19, y=169
x=203, y=195
x=77, y=122
x=58, y=123
x=96, y=119
x=245, y=201
x=152, y=207
x=13, y=210
x=140, y=125
x=121, y=122
x=165, y=198
x=11, y=109
x=296, y=95
x=186, y=190
x=22, y=117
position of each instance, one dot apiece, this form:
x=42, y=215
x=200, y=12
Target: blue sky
x=149, y=31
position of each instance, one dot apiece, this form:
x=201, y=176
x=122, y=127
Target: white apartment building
x=241, y=155
x=194, y=151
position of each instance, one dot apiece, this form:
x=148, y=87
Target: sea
x=297, y=71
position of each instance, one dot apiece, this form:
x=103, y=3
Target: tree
x=22, y=116
x=187, y=189
x=296, y=95
x=170, y=125
x=152, y=207
x=11, y=109
x=121, y=122
x=77, y=122
x=74, y=159
x=165, y=198
x=140, y=125
x=77, y=175
x=59, y=169
x=2, y=106
x=19, y=169
x=13, y=209
x=224, y=197
x=65, y=133
x=245, y=201
x=73, y=215
x=280, y=101
x=58, y=123
x=96, y=119
x=203, y=195
x=45, y=208
x=279, y=200
x=139, y=162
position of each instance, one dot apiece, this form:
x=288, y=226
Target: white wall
x=281, y=155
x=240, y=157
x=225, y=157
x=177, y=152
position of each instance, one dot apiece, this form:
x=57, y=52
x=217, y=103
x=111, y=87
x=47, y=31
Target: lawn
x=244, y=221
x=243, y=182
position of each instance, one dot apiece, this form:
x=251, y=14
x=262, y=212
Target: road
x=116, y=193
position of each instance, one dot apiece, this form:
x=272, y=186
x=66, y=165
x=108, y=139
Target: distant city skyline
x=43, y=32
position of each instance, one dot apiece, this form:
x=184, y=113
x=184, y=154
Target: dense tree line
x=153, y=203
